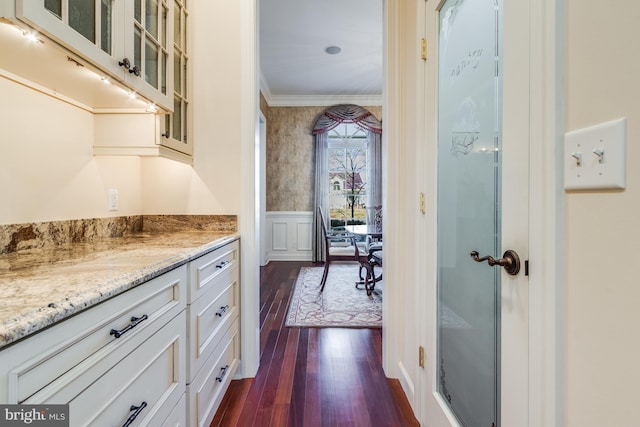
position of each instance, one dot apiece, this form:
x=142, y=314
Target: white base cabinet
x=162, y=353
x=212, y=334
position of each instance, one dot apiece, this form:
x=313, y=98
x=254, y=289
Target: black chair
x=338, y=246
x=373, y=260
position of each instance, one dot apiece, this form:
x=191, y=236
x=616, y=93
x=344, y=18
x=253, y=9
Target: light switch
x=595, y=157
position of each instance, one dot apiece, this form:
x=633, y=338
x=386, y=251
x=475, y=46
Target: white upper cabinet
x=131, y=41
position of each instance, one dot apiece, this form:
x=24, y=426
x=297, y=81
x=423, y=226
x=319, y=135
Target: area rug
x=340, y=305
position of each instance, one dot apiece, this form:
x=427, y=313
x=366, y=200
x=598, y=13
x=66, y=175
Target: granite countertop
x=43, y=286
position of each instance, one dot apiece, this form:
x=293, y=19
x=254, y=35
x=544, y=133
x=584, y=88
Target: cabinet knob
x=125, y=63
x=135, y=71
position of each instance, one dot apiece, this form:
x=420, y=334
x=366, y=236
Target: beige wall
x=602, y=231
x=290, y=156
x=48, y=172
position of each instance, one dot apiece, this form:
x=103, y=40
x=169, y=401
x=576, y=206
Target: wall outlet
x=113, y=199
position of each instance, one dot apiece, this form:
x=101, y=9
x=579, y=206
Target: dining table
x=365, y=230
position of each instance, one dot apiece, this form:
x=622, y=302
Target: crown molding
x=264, y=88
x=320, y=100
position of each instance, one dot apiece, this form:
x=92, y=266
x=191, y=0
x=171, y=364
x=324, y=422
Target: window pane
x=137, y=7
x=347, y=163
x=336, y=159
x=54, y=6
x=151, y=63
x=151, y=17
x=106, y=12
x=177, y=118
x=184, y=32
x=184, y=120
x=177, y=74
x=177, y=29
x=167, y=124
x=82, y=18
x=164, y=73
x=137, y=47
x=165, y=13
x=185, y=95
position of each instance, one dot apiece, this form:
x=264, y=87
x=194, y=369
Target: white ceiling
x=295, y=70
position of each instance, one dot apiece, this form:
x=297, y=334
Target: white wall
x=288, y=236
x=212, y=185
x=48, y=172
x=602, y=286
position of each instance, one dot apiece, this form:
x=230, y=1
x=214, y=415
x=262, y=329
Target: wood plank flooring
x=312, y=376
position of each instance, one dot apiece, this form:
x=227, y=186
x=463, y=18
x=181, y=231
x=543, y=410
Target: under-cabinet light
x=32, y=36
x=151, y=108
x=105, y=80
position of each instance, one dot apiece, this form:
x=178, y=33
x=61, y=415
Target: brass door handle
x=510, y=261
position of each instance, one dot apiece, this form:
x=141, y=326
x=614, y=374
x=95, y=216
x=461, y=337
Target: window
x=347, y=163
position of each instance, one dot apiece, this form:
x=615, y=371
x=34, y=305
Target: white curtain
x=321, y=198
x=374, y=176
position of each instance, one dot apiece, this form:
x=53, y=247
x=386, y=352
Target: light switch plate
x=595, y=157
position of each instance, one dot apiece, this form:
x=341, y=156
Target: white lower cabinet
x=213, y=306
x=207, y=389
x=145, y=386
x=147, y=357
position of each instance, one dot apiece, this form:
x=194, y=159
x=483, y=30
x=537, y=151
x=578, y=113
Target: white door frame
x=545, y=212
x=545, y=216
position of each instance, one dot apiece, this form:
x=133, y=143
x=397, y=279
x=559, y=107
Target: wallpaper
x=290, y=156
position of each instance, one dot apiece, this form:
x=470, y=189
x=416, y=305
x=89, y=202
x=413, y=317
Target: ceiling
x=295, y=70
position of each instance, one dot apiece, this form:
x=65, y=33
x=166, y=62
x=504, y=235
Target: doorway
x=526, y=350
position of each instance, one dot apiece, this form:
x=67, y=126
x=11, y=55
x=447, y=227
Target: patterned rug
x=340, y=305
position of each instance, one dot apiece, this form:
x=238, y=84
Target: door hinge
x=423, y=204
x=421, y=356
x=423, y=50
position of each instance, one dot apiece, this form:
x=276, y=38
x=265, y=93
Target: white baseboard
x=289, y=236
x=407, y=384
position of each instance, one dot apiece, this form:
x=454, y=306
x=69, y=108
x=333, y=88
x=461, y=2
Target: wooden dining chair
x=338, y=246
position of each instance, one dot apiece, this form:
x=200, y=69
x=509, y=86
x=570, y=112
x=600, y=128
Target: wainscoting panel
x=289, y=236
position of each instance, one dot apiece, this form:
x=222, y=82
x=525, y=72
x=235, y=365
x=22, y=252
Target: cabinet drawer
x=151, y=377
x=206, y=392
x=84, y=341
x=211, y=268
x=177, y=417
x=209, y=317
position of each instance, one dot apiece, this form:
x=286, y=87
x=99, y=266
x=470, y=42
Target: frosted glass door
x=469, y=177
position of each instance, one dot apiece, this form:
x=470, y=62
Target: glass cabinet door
x=106, y=32
x=86, y=27
x=149, y=38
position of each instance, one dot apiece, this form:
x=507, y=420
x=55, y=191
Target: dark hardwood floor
x=312, y=376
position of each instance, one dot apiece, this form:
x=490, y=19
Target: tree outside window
x=347, y=175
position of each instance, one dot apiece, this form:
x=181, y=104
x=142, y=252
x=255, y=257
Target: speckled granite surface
x=41, y=286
